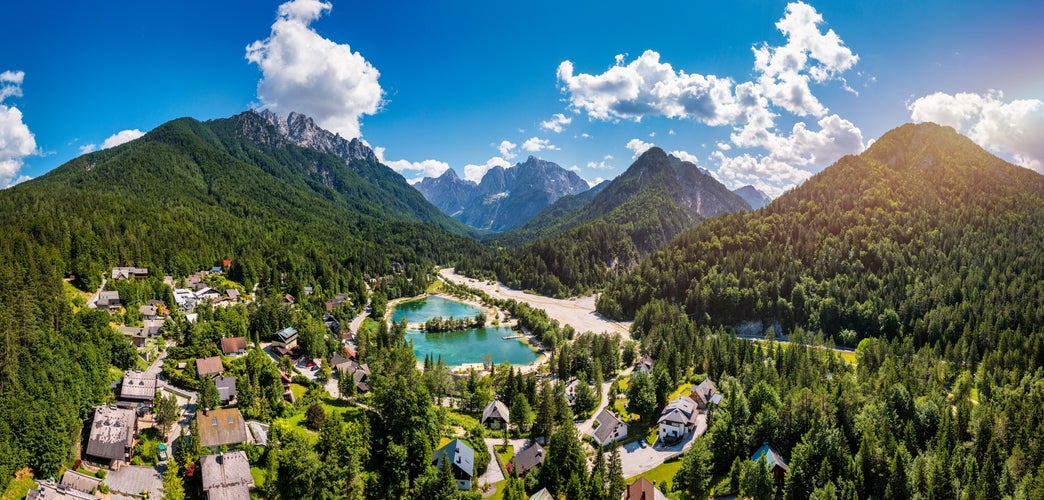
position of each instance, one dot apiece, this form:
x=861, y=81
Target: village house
x=126, y=273
x=226, y=476
x=775, y=462
x=136, y=336
x=226, y=387
x=287, y=337
x=543, y=494
x=525, y=460
x=221, y=427
x=495, y=415
x=207, y=293
x=152, y=327
x=80, y=482
x=642, y=489
x=644, y=365
x=705, y=394
x=148, y=311
x=112, y=435
x=336, y=301
x=462, y=462
x=233, y=294
x=184, y=298
x=331, y=322
x=677, y=419
x=609, y=428
x=138, y=386
x=233, y=345
x=208, y=367
x=108, y=299
x=51, y=491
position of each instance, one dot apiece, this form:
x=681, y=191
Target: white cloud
x=475, y=173
x=88, y=148
x=16, y=141
x=557, y=123
x=585, y=135
x=304, y=72
x=671, y=132
x=638, y=146
x=644, y=87
x=765, y=173
x=121, y=137
x=686, y=156
x=1013, y=128
x=603, y=164
x=534, y=144
x=596, y=181
x=724, y=146
x=787, y=70
x=507, y=149
x=426, y=168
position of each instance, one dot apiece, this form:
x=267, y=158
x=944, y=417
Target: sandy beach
x=578, y=311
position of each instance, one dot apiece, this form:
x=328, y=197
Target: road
x=92, y=303
x=585, y=426
x=578, y=311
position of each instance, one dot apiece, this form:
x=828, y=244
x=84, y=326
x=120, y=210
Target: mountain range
x=577, y=243
x=505, y=197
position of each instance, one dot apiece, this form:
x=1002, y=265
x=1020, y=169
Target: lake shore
x=491, y=313
x=578, y=311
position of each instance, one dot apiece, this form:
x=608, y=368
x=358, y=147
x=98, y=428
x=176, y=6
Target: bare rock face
x=506, y=197
x=303, y=131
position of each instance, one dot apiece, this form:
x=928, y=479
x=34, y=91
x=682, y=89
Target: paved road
x=92, y=303
x=585, y=426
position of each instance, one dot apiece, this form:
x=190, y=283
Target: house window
x=229, y=420
x=213, y=421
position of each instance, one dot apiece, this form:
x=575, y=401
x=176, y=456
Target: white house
x=609, y=429
x=678, y=419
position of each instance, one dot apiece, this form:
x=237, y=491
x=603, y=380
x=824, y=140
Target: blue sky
x=467, y=85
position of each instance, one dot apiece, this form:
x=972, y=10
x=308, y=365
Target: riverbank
x=578, y=311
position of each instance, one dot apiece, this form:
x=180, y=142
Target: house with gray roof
x=462, y=462
x=496, y=415
x=136, y=336
x=525, y=460
x=51, y=491
x=126, y=273
x=287, y=337
x=112, y=435
x=226, y=387
x=108, y=299
x=705, y=394
x=609, y=428
x=677, y=419
x=138, y=386
x=226, y=476
x=79, y=481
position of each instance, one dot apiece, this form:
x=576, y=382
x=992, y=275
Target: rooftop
x=138, y=385
x=112, y=432
x=223, y=426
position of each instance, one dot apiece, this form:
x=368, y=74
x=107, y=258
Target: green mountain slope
x=190, y=193
x=925, y=234
x=576, y=244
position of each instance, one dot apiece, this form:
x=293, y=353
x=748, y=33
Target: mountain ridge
x=505, y=197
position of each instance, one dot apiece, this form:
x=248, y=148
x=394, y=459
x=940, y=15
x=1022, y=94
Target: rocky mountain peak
x=302, y=130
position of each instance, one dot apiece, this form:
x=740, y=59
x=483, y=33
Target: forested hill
x=925, y=235
x=639, y=211
x=189, y=193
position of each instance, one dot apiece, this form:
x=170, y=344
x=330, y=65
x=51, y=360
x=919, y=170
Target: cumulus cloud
x=16, y=141
x=638, y=146
x=507, y=149
x=648, y=87
x=601, y=165
x=534, y=144
x=596, y=181
x=475, y=173
x=416, y=169
x=557, y=123
x=121, y=137
x=782, y=82
x=88, y=148
x=685, y=156
x=304, y=72
x=1014, y=128
x=809, y=54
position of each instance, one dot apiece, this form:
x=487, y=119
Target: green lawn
x=18, y=488
x=504, y=457
x=298, y=390
x=434, y=287
x=259, y=476
x=663, y=472
x=331, y=406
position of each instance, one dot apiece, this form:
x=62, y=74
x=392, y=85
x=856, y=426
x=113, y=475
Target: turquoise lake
x=461, y=346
